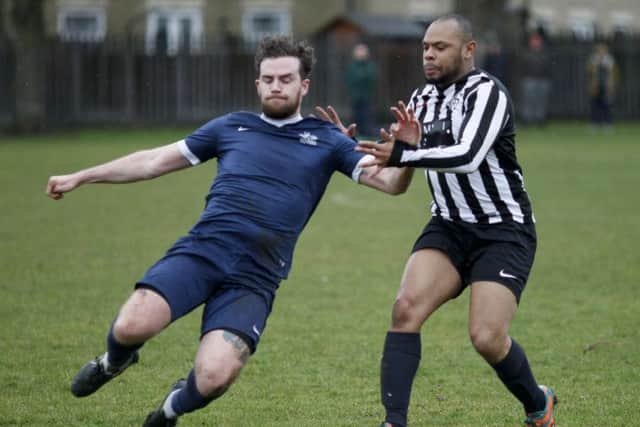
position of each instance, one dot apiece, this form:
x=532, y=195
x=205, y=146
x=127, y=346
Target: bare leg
x=491, y=311
x=429, y=280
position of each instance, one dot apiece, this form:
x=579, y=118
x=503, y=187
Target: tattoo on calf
x=241, y=347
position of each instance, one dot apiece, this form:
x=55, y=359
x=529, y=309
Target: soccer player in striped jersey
x=272, y=171
x=460, y=127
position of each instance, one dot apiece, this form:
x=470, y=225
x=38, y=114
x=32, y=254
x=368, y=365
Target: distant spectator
x=494, y=60
x=535, y=82
x=603, y=77
x=360, y=81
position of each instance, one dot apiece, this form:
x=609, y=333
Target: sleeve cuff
x=184, y=150
x=399, y=147
x=357, y=171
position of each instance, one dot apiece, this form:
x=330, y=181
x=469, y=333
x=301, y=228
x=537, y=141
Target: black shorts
x=501, y=253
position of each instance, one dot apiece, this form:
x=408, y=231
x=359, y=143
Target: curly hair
x=279, y=46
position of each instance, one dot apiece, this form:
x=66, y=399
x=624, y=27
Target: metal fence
x=7, y=92
x=116, y=83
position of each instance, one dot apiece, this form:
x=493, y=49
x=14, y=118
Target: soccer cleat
x=545, y=417
x=386, y=424
x=157, y=418
x=92, y=376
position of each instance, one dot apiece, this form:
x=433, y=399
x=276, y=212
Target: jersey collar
x=281, y=122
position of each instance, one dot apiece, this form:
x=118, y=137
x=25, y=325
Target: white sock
x=167, y=408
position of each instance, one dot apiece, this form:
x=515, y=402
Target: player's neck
x=281, y=122
x=460, y=76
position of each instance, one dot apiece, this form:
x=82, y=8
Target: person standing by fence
x=602, y=72
x=535, y=85
x=360, y=81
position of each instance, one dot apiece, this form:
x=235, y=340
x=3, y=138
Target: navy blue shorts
x=233, y=300
x=501, y=253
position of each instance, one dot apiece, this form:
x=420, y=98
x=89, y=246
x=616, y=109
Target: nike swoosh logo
x=256, y=330
x=507, y=275
x=242, y=129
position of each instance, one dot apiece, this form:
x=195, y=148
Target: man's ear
x=469, y=49
x=305, y=86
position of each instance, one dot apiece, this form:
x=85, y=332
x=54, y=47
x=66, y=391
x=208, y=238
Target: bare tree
x=23, y=26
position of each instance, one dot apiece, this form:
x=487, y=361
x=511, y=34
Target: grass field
x=65, y=268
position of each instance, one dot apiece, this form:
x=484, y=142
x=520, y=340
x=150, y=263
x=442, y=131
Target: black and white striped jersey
x=468, y=151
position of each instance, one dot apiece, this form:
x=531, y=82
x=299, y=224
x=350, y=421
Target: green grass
x=65, y=268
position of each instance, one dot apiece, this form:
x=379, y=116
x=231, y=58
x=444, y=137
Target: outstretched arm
x=138, y=166
x=389, y=180
x=484, y=119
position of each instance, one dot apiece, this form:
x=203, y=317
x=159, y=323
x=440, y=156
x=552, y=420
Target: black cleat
x=92, y=376
x=157, y=417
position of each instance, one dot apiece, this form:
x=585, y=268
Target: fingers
x=352, y=130
x=322, y=114
x=335, y=118
x=386, y=136
x=58, y=185
x=378, y=163
x=369, y=145
x=51, y=190
x=412, y=115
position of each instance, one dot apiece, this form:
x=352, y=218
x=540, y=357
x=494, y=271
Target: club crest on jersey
x=308, y=138
x=456, y=101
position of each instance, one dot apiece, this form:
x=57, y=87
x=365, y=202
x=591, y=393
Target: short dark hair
x=279, y=46
x=466, y=29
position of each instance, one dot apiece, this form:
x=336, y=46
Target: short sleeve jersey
x=269, y=181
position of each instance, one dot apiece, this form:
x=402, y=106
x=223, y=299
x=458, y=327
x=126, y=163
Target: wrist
x=399, y=147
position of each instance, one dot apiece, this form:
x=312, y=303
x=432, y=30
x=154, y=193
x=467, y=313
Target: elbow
x=398, y=190
x=469, y=165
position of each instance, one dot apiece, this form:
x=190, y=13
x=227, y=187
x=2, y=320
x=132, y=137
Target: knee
x=131, y=329
x=488, y=341
x=406, y=314
x=212, y=382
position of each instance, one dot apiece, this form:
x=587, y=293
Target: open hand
x=407, y=128
x=331, y=115
x=381, y=151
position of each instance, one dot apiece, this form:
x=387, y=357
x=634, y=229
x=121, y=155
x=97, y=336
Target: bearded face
x=280, y=87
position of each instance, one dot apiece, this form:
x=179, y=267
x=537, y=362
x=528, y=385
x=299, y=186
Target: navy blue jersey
x=270, y=179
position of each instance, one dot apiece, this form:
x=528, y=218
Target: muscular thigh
x=429, y=280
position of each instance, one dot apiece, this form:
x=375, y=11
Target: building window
x=621, y=23
x=257, y=23
x=174, y=31
x=542, y=20
x=582, y=24
x=82, y=23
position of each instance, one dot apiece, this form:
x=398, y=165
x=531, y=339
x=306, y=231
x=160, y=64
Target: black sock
x=189, y=398
x=119, y=353
x=515, y=373
x=400, y=360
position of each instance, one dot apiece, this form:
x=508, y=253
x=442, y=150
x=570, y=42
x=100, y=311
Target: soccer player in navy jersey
x=273, y=168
